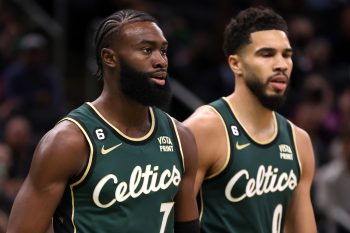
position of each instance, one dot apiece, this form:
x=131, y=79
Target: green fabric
x=131, y=183
x=252, y=193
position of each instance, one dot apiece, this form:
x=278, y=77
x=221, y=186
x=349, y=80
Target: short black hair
x=113, y=24
x=253, y=19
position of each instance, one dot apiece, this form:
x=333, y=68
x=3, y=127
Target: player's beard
x=137, y=85
x=258, y=88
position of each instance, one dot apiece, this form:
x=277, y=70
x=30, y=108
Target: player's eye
x=147, y=50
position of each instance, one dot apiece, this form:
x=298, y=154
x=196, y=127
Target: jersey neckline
x=259, y=142
x=139, y=139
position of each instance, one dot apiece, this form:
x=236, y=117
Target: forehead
x=139, y=32
x=269, y=39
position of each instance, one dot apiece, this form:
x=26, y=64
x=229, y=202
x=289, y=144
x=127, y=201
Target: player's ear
x=235, y=64
x=109, y=57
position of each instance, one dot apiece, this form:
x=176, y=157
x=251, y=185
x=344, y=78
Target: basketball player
x=117, y=164
x=255, y=167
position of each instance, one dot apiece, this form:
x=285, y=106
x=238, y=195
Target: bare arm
x=60, y=155
x=185, y=201
x=209, y=133
x=300, y=216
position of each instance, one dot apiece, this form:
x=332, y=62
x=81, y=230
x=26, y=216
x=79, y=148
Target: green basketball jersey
x=252, y=192
x=129, y=184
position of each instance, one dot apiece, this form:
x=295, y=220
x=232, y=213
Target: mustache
x=281, y=73
x=162, y=70
x=278, y=74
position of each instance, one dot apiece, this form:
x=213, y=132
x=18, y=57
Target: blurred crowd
x=34, y=94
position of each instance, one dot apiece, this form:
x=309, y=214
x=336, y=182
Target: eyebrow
x=268, y=49
x=289, y=50
x=152, y=42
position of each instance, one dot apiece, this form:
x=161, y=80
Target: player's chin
x=275, y=93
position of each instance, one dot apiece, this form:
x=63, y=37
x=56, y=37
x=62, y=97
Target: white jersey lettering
x=266, y=181
x=141, y=182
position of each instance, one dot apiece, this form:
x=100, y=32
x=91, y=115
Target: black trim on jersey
x=177, y=147
x=81, y=173
x=121, y=137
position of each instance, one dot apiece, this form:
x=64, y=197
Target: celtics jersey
x=252, y=191
x=129, y=184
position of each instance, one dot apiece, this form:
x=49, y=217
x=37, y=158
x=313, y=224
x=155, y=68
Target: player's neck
x=258, y=120
x=130, y=117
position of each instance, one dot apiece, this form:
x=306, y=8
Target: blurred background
x=47, y=66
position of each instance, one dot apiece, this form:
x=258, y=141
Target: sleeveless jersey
x=252, y=191
x=129, y=184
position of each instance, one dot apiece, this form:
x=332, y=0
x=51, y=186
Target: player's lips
x=279, y=82
x=159, y=77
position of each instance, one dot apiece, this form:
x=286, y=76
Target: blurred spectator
x=343, y=105
x=342, y=36
x=317, y=56
x=199, y=67
x=17, y=151
x=333, y=188
x=18, y=135
x=301, y=33
x=5, y=165
x=11, y=30
x=341, y=114
x=313, y=106
x=32, y=87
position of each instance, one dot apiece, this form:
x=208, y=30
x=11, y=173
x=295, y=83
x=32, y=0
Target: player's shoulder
x=183, y=130
x=203, y=113
x=205, y=118
x=63, y=147
x=65, y=129
x=64, y=135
